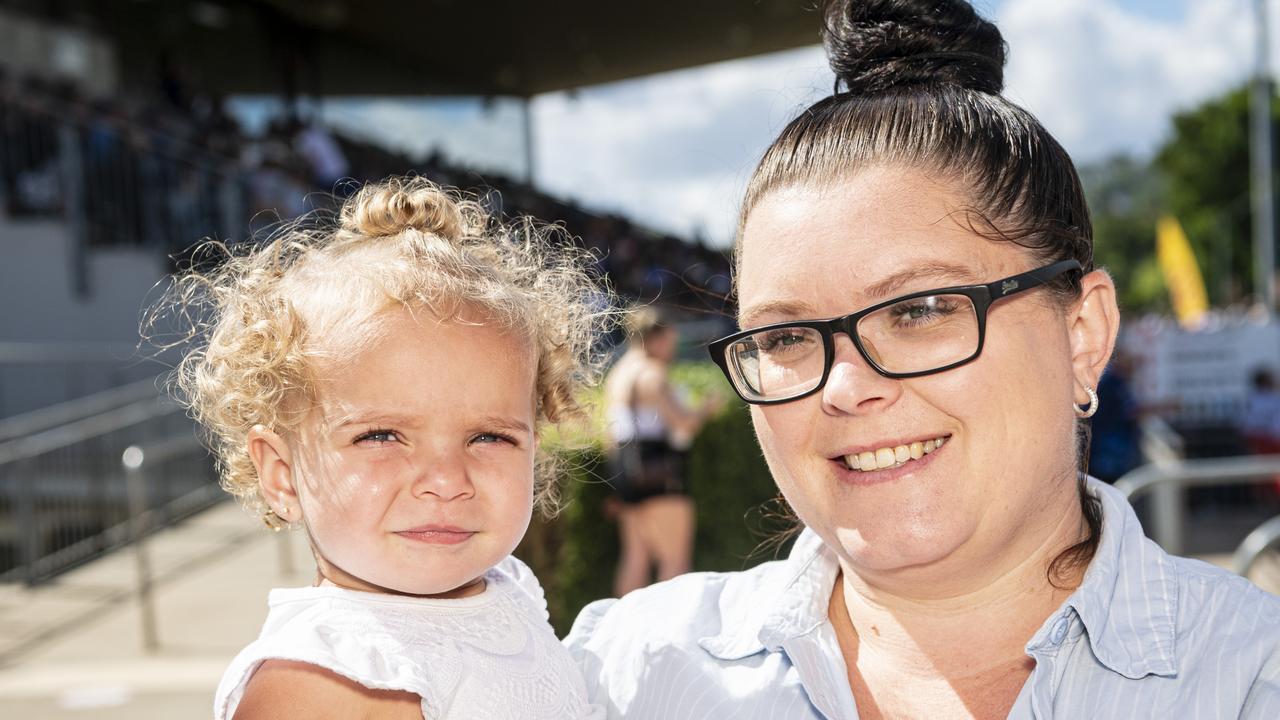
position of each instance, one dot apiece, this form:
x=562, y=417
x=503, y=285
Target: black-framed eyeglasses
x=918, y=334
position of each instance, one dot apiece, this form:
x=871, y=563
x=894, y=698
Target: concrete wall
x=54, y=345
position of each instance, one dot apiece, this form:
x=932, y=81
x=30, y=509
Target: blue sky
x=674, y=150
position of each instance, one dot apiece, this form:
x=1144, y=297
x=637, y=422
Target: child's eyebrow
x=489, y=421
x=373, y=418
x=505, y=423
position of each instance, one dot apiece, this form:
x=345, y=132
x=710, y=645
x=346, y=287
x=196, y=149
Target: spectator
x=323, y=154
x=1114, y=448
x=1261, y=424
x=649, y=428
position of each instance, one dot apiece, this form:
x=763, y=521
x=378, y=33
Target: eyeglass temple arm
x=1030, y=279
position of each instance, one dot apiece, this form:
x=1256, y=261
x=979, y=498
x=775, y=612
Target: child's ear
x=274, y=462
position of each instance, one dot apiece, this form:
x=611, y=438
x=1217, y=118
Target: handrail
x=135, y=457
x=1207, y=472
x=1263, y=538
x=80, y=430
x=66, y=352
x=35, y=421
x=1160, y=442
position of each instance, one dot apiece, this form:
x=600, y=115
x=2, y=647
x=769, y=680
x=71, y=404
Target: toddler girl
x=382, y=384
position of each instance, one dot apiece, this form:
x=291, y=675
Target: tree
x=1126, y=195
x=1205, y=166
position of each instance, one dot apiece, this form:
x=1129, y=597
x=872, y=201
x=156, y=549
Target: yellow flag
x=1181, y=272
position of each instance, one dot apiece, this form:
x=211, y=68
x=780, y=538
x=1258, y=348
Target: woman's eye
x=379, y=437
x=924, y=308
x=780, y=339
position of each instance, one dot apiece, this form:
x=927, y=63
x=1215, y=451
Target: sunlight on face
x=1007, y=462
x=415, y=469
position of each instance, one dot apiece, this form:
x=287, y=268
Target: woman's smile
x=887, y=463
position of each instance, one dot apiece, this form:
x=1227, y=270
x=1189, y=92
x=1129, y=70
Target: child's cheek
x=375, y=480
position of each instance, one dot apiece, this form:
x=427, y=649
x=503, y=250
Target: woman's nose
x=853, y=386
x=443, y=476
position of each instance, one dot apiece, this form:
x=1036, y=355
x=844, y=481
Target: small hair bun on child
x=390, y=208
x=878, y=45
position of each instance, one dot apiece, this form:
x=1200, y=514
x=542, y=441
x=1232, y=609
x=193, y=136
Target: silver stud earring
x=1088, y=412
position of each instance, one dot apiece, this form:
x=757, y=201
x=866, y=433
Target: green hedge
x=574, y=555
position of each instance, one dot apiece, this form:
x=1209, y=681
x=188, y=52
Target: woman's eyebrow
x=777, y=308
x=944, y=272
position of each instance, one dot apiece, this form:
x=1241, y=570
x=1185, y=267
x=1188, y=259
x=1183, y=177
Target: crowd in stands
x=167, y=169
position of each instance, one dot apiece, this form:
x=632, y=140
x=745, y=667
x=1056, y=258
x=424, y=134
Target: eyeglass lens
x=914, y=335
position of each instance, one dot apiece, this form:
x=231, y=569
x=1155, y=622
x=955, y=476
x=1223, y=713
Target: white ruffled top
x=492, y=655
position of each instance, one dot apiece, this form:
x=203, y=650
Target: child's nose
x=446, y=478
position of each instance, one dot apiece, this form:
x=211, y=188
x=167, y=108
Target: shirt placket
x=1044, y=677
x=819, y=663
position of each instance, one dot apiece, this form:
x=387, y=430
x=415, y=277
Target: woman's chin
x=902, y=547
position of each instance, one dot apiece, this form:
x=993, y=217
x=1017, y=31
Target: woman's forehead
x=872, y=236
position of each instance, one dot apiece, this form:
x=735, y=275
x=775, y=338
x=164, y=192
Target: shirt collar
x=788, y=601
x=1128, y=600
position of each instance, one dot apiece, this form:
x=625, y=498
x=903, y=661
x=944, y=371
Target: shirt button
x=1058, y=632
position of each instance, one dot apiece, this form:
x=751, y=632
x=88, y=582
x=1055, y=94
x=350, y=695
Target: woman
x=924, y=327
x=649, y=428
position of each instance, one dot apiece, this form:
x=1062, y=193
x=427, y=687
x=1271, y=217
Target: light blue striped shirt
x=1145, y=635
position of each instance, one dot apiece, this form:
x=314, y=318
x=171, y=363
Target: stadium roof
x=415, y=47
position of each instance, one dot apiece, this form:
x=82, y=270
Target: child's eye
x=378, y=437
x=486, y=438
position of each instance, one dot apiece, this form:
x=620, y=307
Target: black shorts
x=642, y=469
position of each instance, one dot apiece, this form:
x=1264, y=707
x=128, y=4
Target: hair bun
x=402, y=204
x=877, y=45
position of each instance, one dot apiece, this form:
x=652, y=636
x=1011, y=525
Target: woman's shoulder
x=1223, y=636
x=679, y=612
x=1193, y=596
x=1226, y=607
x=1154, y=612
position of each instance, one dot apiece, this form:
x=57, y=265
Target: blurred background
x=131, y=129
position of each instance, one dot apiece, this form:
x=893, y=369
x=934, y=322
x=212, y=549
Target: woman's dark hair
x=918, y=85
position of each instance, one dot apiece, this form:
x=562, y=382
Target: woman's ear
x=273, y=460
x=1092, y=326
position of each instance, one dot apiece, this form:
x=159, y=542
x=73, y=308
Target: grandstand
x=109, y=173
x=117, y=155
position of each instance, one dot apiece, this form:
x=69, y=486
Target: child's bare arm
x=285, y=688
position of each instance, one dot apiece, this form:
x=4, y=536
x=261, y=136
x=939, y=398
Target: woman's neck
x=981, y=621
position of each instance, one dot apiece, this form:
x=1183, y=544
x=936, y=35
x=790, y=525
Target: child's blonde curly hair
x=260, y=320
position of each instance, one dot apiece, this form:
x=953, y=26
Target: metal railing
x=1262, y=539
x=1168, y=480
x=140, y=465
x=37, y=375
x=45, y=418
x=64, y=495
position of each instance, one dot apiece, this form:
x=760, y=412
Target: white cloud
x=674, y=150
x=1104, y=79
x=467, y=131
